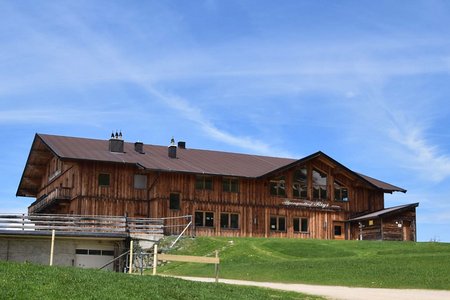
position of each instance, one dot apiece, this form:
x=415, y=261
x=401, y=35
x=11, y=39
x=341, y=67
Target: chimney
x=172, y=149
x=116, y=143
x=182, y=145
x=139, y=147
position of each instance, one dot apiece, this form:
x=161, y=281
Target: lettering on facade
x=311, y=204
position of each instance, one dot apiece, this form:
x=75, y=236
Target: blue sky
x=367, y=82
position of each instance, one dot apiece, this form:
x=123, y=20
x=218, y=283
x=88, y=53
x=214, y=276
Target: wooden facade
x=314, y=197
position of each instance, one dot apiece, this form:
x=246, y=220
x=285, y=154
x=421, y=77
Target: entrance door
x=339, y=230
x=407, y=231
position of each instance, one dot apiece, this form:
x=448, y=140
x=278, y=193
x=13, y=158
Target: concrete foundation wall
x=37, y=249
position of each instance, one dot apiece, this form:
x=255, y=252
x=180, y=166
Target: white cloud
x=245, y=67
x=416, y=152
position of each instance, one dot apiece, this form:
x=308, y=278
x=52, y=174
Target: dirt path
x=340, y=292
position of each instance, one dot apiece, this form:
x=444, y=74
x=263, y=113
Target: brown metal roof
x=387, y=187
x=156, y=158
x=385, y=212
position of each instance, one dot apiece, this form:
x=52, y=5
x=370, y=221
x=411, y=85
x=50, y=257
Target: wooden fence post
x=130, y=269
x=216, y=268
x=52, y=247
x=155, y=258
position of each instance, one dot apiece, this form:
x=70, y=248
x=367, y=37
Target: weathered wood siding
x=253, y=203
x=400, y=227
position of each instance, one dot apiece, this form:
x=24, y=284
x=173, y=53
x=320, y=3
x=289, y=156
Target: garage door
x=94, y=258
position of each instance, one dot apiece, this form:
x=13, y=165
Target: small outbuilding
x=394, y=224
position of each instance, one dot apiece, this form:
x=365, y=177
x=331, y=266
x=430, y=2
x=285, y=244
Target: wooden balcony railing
x=80, y=223
x=59, y=193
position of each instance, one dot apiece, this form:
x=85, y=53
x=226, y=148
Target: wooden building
x=228, y=194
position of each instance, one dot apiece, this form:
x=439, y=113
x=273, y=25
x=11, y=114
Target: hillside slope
x=348, y=263
x=29, y=281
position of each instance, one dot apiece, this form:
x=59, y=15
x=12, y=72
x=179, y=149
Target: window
x=230, y=185
x=82, y=251
x=203, y=182
x=300, y=225
x=94, y=252
x=204, y=219
x=277, y=223
x=108, y=252
x=319, y=185
x=103, y=179
x=337, y=230
x=140, y=181
x=55, y=168
x=174, y=201
x=340, y=192
x=229, y=220
x=277, y=187
x=300, y=183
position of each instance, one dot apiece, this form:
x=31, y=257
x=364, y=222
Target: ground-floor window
x=300, y=224
x=204, y=219
x=229, y=220
x=277, y=223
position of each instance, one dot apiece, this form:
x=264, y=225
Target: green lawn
x=347, y=263
x=28, y=281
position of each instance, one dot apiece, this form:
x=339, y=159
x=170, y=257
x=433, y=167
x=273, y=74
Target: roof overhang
x=34, y=169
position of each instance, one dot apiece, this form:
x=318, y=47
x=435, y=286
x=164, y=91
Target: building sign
x=310, y=204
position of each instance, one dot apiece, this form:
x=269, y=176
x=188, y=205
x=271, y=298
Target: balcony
x=53, y=197
x=79, y=224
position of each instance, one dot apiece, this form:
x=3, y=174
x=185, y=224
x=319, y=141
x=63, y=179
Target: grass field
x=347, y=263
x=28, y=281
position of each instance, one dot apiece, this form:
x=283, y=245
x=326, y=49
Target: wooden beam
x=189, y=258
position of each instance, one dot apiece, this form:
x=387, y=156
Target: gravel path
x=340, y=292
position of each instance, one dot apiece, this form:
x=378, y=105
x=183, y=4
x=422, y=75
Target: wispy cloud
x=247, y=67
x=195, y=115
x=99, y=59
x=419, y=154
